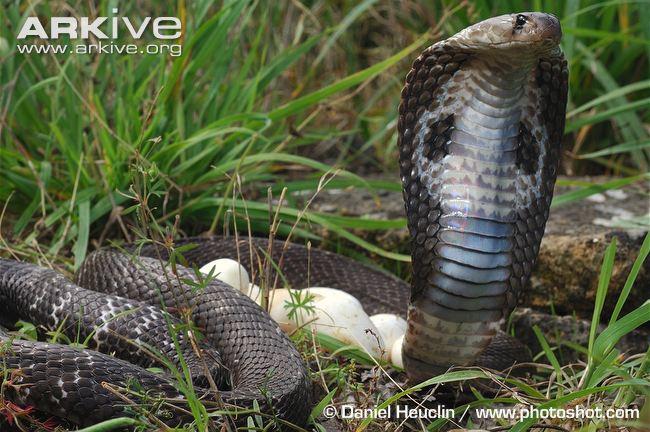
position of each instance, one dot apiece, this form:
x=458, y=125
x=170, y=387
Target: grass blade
x=318, y=96
x=83, y=230
x=631, y=278
x=617, y=149
x=579, y=194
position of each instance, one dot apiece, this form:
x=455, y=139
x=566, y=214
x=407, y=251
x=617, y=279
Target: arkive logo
x=104, y=27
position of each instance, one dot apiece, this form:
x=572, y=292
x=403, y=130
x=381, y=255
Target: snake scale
x=479, y=130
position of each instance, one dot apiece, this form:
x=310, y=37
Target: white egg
x=390, y=326
x=255, y=293
x=228, y=271
x=396, y=353
x=278, y=298
x=334, y=313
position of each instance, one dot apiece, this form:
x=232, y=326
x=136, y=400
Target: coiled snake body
x=480, y=124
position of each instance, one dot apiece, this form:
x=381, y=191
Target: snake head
x=536, y=31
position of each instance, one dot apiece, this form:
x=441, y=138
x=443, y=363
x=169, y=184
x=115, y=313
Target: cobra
x=480, y=125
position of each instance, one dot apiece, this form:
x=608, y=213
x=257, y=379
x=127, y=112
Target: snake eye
x=520, y=21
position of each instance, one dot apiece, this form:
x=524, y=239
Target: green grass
x=296, y=97
x=254, y=96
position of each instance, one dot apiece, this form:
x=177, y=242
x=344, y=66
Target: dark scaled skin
x=264, y=364
x=301, y=267
x=245, y=347
x=137, y=332
x=68, y=382
x=261, y=362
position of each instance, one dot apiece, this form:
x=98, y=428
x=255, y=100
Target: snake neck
x=462, y=249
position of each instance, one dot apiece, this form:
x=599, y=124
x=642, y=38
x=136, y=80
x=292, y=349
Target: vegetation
x=276, y=99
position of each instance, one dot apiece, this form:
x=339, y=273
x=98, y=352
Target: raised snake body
x=480, y=127
x=480, y=124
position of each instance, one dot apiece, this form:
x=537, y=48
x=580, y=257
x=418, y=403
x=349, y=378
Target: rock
x=566, y=274
x=568, y=329
x=332, y=424
x=572, y=250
